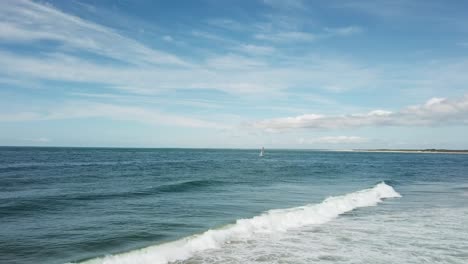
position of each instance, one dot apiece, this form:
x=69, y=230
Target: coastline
x=420, y=151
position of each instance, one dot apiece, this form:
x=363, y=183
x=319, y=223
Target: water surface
x=60, y=205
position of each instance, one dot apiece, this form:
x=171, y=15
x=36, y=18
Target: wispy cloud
x=285, y=4
x=434, y=14
x=37, y=140
x=19, y=117
x=436, y=111
x=211, y=36
x=231, y=73
x=140, y=99
x=255, y=49
x=301, y=36
x=77, y=110
x=26, y=21
x=145, y=70
x=230, y=69
x=296, y=36
x=232, y=61
x=227, y=24
x=377, y=8
x=344, y=31
x=167, y=38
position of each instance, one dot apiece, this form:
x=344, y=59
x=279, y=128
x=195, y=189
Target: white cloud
x=333, y=140
x=436, y=111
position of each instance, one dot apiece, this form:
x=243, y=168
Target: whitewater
x=273, y=221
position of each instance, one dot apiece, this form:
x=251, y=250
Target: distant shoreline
x=433, y=151
x=430, y=151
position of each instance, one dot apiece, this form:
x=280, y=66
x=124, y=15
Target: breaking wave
x=278, y=220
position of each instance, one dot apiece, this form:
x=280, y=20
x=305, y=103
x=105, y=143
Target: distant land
x=448, y=151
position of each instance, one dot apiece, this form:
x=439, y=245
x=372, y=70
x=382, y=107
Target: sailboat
x=262, y=152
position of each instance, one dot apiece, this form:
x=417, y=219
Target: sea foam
x=278, y=220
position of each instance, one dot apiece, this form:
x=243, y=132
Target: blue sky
x=234, y=74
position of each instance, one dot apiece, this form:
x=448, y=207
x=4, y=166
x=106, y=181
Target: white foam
x=271, y=221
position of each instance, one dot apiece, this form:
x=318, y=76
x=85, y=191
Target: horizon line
x=247, y=148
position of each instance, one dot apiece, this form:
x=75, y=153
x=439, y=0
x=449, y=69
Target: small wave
x=278, y=220
x=44, y=203
x=461, y=188
x=187, y=185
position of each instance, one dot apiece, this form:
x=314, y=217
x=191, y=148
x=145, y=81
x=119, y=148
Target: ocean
x=190, y=206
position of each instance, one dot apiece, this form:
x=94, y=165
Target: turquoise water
x=60, y=205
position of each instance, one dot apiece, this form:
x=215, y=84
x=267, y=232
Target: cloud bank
x=436, y=111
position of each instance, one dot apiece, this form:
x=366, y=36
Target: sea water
x=85, y=205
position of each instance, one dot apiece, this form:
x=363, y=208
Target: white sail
x=262, y=152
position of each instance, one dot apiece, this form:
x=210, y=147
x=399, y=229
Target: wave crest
x=271, y=221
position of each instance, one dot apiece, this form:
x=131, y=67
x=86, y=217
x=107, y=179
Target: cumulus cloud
x=436, y=111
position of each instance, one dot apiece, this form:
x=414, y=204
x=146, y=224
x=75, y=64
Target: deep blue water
x=60, y=205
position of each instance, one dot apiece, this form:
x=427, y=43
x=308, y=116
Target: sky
x=234, y=74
